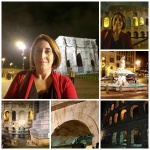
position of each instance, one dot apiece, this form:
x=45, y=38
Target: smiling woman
x=114, y=38
x=41, y=81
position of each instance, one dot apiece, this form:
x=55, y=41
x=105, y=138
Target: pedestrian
x=41, y=81
x=72, y=75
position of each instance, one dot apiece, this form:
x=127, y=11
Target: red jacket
x=63, y=86
x=106, y=39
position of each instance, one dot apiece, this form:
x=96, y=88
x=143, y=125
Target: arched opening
x=141, y=21
x=106, y=22
x=135, y=21
x=116, y=118
x=134, y=111
x=114, y=138
x=6, y=115
x=22, y=118
x=68, y=65
x=30, y=115
x=136, y=137
x=110, y=121
x=142, y=34
x=79, y=63
x=13, y=116
x=112, y=106
x=93, y=65
x=147, y=21
x=71, y=133
x=123, y=114
x=136, y=35
x=129, y=33
x=128, y=22
x=123, y=138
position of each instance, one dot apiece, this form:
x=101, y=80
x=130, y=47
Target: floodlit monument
x=124, y=124
x=81, y=54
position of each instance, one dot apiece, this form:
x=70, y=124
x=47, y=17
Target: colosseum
x=124, y=124
x=136, y=23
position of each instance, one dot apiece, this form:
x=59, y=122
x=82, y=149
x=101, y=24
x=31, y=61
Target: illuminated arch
x=116, y=118
x=132, y=110
x=110, y=121
x=106, y=22
x=135, y=22
x=123, y=116
x=112, y=106
x=142, y=21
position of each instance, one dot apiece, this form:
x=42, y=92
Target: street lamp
x=138, y=62
x=3, y=60
x=22, y=47
x=11, y=64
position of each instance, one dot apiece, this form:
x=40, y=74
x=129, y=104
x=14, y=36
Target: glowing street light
x=138, y=62
x=11, y=64
x=22, y=47
x=3, y=60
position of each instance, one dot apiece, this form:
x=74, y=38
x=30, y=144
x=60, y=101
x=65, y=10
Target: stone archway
x=66, y=133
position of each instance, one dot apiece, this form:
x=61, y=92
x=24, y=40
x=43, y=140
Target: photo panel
x=124, y=25
x=25, y=124
x=124, y=124
x=124, y=74
x=75, y=124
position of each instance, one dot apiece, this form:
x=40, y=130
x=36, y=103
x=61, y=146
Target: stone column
x=144, y=139
x=95, y=140
x=128, y=138
x=118, y=138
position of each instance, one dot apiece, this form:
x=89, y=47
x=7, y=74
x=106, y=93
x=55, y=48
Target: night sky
x=24, y=21
x=105, y=5
x=143, y=57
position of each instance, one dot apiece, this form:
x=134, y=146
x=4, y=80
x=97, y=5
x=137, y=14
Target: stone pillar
x=95, y=140
x=128, y=138
x=118, y=138
x=144, y=139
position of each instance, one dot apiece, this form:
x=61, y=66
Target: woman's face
x=43, y=55
x=117, y=21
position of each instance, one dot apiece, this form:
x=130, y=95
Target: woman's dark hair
x=54, y=47
x=123, y=20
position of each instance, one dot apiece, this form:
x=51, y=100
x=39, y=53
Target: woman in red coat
x=114, y=38
x=42, y=82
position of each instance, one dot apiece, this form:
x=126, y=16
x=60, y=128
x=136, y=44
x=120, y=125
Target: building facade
x=80, y=54
x=125, y=123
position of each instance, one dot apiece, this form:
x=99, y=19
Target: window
x=14, y=116
x=112, y=60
